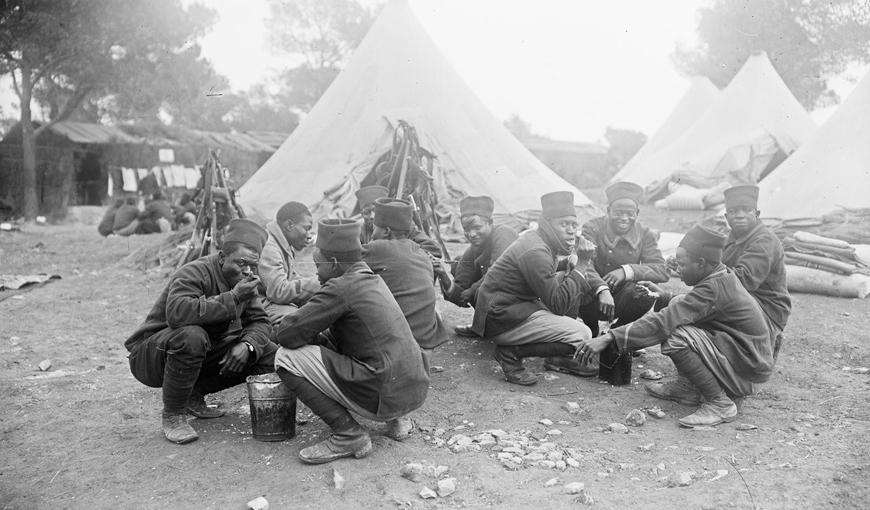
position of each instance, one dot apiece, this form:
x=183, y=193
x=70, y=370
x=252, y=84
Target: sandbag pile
x=823, y=265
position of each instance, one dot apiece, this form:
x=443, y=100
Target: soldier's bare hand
x=246, y=288
x=235, y=359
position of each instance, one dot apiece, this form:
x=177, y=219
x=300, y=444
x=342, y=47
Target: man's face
x=477, y=230
x=741, y=218
x=566, y=228
x=298, y=233
x=326, y=268
x=239, y=265
x=622, y=214
x=380, y=233
x=691, y=269
x=368, y=215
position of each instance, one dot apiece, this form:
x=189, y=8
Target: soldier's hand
x=650, y=288
x=235, y=360
x=606, y=305
x=246, y=288
x=614, y=278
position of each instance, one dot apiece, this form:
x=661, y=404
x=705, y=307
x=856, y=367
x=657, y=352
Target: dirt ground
x=86, y=434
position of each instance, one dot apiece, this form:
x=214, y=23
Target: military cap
x=476, y=206
x=394, y=213
x=557, y=204
x=247, y=232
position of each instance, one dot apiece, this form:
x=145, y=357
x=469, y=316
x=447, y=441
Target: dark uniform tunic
x=376, y=362
x=524, y=280
x=475, y=262
x=758, y=260
x=198, y=300
x=721, y=307
x=407, y=271
x=638, y=250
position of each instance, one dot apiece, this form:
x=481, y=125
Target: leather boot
x=348, y=438
x=560, y=358
x=197, y=407
x=680, y=390
x=512, y=365
x=717, y=407
x=465, y=331
x=400, y=429
x=176, y=429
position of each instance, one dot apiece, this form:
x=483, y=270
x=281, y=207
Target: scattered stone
x=617, y=428
x=465, y=448
x=44, y=365
x=681, y=479
x=534, y=457
x=704, y=448
x=512, y=464
x=584, y=498
x=549, y=376
x=554, y=432
x=702, y=428
x=485, y=439
x=337, y=480
x=504, y=455
x=840, y=477
x=554, y=455
x=427, y=493
x=719, y=474
x=459, y=439
x=861, y=370
x=635, y=418
x=258, y=503
x=646, y=447
x=435, y=369
x=661, y=466
x=439, y=432
x=572, y=407
x=602, y=474
x=412, y=471
x=564, y=422
x=547, y=464
x=546, y=422
x=626, y=466
x=574, y=488
x=446, y=487
x=459, y=427
x=551, y=482
x=547, y=446
x=574, y=463
x=497, y=433
x=514, y=450
x=652, y=375
x=655, y=412
x=438, y=442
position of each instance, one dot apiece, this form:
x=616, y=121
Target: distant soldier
x=755, y=254
x=127, y=217
x=366, y=360
x=107, y=224
x=206, y=332
x=366, y=197
x=487, y=242
x=283, y=287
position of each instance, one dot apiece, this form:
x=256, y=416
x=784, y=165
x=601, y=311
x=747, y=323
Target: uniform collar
x=215, y=260
x=611, y=238
x=742, y=239
x=276, y=232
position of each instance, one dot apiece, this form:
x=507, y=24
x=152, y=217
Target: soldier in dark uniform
x=756, y=256
x=487, y=242
x=366, y=197
x=626, y=253
x=716, y=334
x=206, y=332
x=367, y=360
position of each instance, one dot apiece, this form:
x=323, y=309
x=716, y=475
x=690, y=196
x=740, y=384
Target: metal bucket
x=273, y=408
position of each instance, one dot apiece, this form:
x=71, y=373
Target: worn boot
x=400, y=428
x=511, y=362
x=680, y=390
x=465, y=331
x=560, y=358
x=348, y=438
x=176, y=429
x=717, y=407
x=197, y=407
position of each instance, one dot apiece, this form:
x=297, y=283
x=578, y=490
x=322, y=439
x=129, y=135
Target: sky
x=569, y=68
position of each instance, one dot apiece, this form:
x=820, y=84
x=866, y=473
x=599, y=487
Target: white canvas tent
x=830, y=171
x=697, y=99
x=755, y=103
x=397, y=73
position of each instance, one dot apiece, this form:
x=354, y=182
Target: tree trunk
x=28, y=147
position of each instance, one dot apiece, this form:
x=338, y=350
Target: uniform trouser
x=545, y=327
x=181, y=360
x=628, y=308
x=699, y=341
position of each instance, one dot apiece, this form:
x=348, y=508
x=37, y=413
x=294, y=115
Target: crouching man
x=206, y=332
x=350, y=348
x=716, y=335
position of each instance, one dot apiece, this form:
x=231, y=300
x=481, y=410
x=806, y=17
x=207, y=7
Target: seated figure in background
x=283, y=287
x=127, y=217
x=107, y=223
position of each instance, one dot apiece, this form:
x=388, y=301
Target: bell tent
x=398, y=74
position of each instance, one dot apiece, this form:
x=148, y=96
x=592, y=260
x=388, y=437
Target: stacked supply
x=823, y=265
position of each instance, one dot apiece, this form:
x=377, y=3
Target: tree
x=623, y=145
x=116, y=56
x=807, y=42
x=519, y=127
x=319, y=35
x=259, y=109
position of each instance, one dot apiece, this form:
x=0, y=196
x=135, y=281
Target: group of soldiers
x=357, y=338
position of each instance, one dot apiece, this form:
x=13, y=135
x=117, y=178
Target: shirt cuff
x=629, y=272
x=601, y=289
x=582, y=275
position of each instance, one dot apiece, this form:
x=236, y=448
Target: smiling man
x=626, y=252
x=206, y=332
x=756, y=256
x=526, y=306
x=487, y=243
x=283, y=288
x=716, y=334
